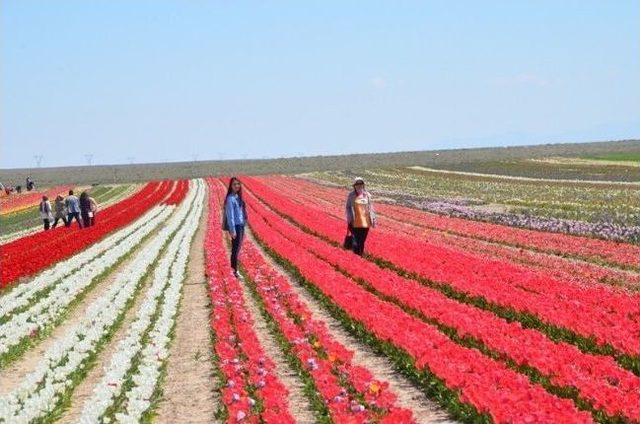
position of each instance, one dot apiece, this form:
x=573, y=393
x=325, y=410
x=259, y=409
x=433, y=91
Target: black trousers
x=235, y=246
x=58, y=218
x=70, y=218
x=359, y=238
x=46, y=224
x=86, y=220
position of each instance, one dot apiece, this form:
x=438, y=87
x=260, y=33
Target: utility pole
x=89, y=158
x=194, y=158
x=38, y=159
x=131, y=159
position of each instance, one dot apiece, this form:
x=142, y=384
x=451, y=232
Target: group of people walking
x=82, y=209
x=360, y=216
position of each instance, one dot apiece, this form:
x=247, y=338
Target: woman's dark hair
x=230, y=189
x=241, y=200
x=84, y=195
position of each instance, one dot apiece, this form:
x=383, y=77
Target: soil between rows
x=189, y=388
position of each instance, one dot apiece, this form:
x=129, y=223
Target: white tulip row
x=42, y=389
x=47, y=309
x=22, y=294
x=172, y=263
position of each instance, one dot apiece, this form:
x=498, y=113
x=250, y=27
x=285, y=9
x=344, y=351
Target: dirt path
x=189, y=394
x=409, y=396
x=299, y=405
x=15, y=372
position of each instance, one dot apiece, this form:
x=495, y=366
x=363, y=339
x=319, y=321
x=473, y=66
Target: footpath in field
x=189, y=390
x=463, y=324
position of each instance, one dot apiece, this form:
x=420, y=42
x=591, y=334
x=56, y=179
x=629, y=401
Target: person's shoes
x=236, y=273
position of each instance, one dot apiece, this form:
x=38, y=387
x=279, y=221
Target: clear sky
x=149, y=81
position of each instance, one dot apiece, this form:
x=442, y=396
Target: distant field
x=510, y=160
x=596, y=203
x=618, y=156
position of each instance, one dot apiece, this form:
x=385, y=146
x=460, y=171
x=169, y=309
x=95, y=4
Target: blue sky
x=150, y=81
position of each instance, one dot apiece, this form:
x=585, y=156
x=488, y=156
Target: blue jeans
x=235, y=246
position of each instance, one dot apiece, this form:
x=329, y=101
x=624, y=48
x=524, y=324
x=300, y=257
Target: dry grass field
x=509, y=160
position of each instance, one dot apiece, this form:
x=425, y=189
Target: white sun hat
x=358, y=180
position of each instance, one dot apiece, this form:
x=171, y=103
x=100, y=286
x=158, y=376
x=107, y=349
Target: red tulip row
x=620, y=254
x=179, y=193
x=16, y=202
x=598, y=379
x=350, y=392
x=556, y=267
x=487, y=385
x=608, y=317
x=253, y=393
x=31, y=254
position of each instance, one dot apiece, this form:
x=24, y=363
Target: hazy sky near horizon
x=150, y=81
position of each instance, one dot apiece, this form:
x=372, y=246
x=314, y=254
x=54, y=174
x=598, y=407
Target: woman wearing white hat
x=360, y=215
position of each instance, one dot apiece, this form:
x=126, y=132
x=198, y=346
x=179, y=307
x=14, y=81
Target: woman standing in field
x=85, y=209
x=61, y=211
x=234, y=219
x=360, y=215
x=45, y=212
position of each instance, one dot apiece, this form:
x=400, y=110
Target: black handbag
x=348, y=240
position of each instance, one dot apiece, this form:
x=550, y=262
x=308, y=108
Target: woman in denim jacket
x=234, y=220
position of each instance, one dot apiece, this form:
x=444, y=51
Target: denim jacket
x=235, y=213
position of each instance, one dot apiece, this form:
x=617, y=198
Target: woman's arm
x=228, y=210
x=372, y=211
x=349, y=209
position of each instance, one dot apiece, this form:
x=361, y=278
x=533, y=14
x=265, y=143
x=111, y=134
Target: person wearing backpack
x=234, y=219
x=360, y=215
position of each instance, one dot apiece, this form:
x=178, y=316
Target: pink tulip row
x=350, y=392
x=599, y=379
x=616, y=253
x=489, y=386
x=558, y=268
x=609, y=317
x=249, y=374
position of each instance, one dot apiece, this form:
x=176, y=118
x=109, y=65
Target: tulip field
x=448, y=317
